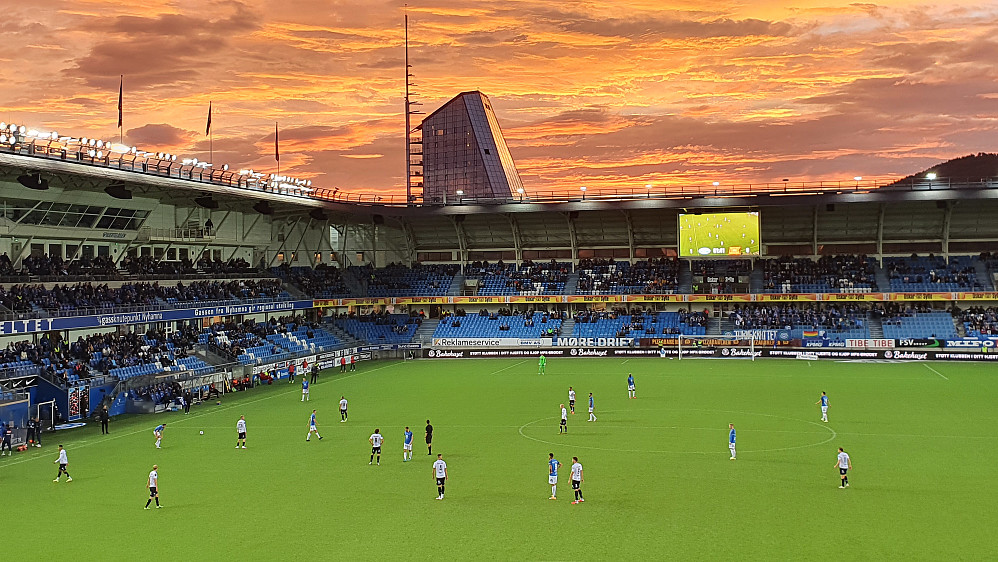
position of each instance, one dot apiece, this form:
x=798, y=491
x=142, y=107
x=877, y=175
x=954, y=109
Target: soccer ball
x=202, y=433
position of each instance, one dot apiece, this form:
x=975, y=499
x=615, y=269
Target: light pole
x=583, y=190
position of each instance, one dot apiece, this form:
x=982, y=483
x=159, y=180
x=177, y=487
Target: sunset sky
x=603, y=94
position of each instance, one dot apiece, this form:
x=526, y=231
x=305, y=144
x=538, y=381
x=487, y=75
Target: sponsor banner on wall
x=594, y=298
x=919, y=342
x=786, y=297
x=592, y=342
x=11, y=327
x=978, y=296
x=420, y=300
x=479, y=300
x=870, y=344
x=970, y=343
x=655, y=298
x=845, y=297
x=923, y=296
x=366, y=302
x=550, y=299
x=720, y=298
x=490, y=342
x=892, y=355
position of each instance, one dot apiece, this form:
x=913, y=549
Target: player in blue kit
x=406, y=445
x=824, y=407
x=553, y=465
x=158, y=432
x=312, y=428
x=304, y=389
x=731, y=440
x=592, y=407
x=630, y=385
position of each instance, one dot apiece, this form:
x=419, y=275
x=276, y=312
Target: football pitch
x=658, y=480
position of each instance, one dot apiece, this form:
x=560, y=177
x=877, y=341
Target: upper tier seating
x=932, y=274
x=609, y=277
x=397, y=280
x=529, y=279
x=602, y=324
x=830, y=274
x=380, y=328
x=496, y=325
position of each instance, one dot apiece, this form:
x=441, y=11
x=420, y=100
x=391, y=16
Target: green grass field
x=719, y=234
x=658, y=482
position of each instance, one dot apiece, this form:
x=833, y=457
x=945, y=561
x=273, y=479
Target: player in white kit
x=571, y=399
x=440, y=473
x=844, y=463
x=241, y=432
x=577, y=480
x=376, y=440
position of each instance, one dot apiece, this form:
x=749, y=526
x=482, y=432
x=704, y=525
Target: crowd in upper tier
x=610, y=277
x=829, y=274
x=53, y=266
x=60, y=298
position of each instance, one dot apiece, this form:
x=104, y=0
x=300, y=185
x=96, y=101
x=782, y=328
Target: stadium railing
x=132, y=160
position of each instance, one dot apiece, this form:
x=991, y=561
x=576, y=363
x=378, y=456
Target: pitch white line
x=935, y=371
x=85, y=443
x=507, y=368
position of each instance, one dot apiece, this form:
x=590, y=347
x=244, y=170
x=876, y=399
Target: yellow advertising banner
x=595, y=298
x=853, y=297
x=366, y=302
x=787, y=297
x=978, y=296
x=420, y=300
x=549, y=299
x=655, y=298
x=326, y=303
x=479, y=300
x=720, y=298
x=921, y=296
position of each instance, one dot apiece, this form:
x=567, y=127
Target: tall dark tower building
x=464, y=150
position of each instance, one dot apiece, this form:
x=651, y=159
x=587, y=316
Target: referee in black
x=104, y=418
x=429, y=438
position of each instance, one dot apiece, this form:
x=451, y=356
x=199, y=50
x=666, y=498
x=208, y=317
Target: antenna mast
x=413, y=169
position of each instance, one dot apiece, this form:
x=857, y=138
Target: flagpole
x=121, y=85
x=277, y=149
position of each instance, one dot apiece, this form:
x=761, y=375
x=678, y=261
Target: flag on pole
x=121, y=84
x=207, y=128
x=277, y=145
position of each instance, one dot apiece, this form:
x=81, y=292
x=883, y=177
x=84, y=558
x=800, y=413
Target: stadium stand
x=500, y=324
x=380, y=328
x=322, y=282
x=609, y=277
x=251, y=342
x=833, y=322
x=931, y=274
x=618, y=323
x=919, y=321
x=401, y=281
x=529, y=278
x=65, y=299
x=829, y=274
x=980, y=322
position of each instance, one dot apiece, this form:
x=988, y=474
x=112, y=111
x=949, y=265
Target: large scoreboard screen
x=719, y=235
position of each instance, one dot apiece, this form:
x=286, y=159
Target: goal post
x=733, y=347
